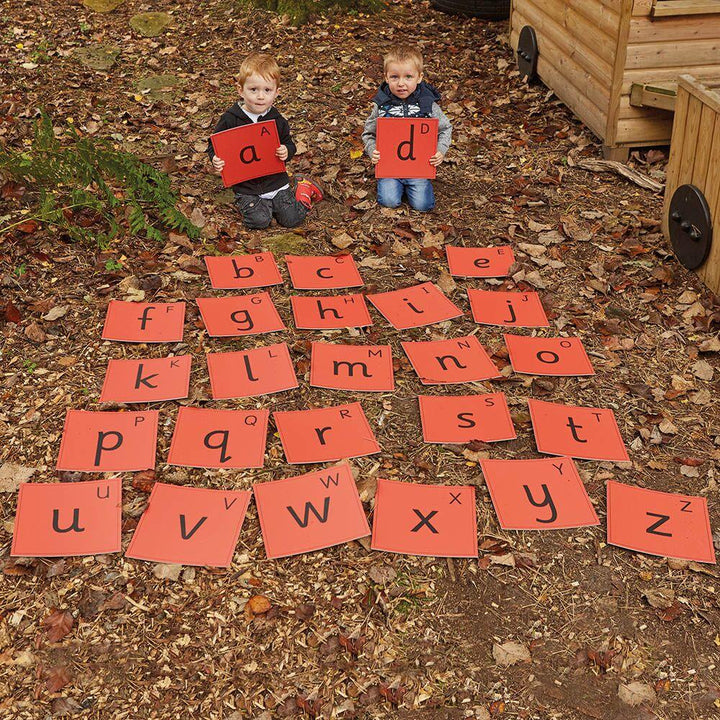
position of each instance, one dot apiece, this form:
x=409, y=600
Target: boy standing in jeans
x=405, y=94
x=261, y=199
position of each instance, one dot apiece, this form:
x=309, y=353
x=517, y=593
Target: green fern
x=88, y=178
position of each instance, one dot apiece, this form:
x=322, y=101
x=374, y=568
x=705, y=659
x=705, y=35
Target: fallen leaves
x=510, y=653
x=636, y=693
x=11, y=475
x=258, y=605
x=58, y=624
x=35, y=333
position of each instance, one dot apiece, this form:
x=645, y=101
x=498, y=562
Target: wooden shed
x=691, y=218
x=592, y=52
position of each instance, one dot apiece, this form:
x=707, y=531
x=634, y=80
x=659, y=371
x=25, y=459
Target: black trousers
x=258, y=212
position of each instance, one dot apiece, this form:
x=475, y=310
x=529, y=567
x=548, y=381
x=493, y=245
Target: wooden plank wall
x=660, y=50
x=577, y=40
x=695, y=158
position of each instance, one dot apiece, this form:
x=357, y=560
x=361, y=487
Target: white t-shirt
x=268, y=195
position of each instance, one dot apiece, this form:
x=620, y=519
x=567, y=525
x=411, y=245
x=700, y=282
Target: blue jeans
x=419, y=193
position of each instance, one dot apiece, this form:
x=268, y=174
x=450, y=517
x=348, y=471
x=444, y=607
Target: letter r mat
x=659, y=523
x=66, y=519
x=310, y=512
x=190, y=526
x=435, y=520
x=144, y=322
x=108, y=441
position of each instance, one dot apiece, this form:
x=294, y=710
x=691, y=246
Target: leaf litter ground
x=347, y=632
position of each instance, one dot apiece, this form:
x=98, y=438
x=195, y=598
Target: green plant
x=30, y=366
x=300, y=10
x=20, y=270
x=112, y=264
x=87, y=188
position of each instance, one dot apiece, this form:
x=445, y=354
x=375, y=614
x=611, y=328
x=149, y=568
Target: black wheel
x=690, y=226
x=486, y=9
x=527, y=53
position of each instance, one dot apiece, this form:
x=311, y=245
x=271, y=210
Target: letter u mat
x=544, y=494
x=406, y=146
x=208, y=438
x=479, y=262
x=240, y=272
x=585, y=433
x=361, y=368
x=443, y=362
x=548, y=356
x=190, y=526
x=325, y=434
x=460, y=419
x=415, y=306
x=65, y=519
x=144, y=322
x=108, y=441
x=310, y=512
x=240, y=315
x=248, y=151
x=435, y=520
x=251, y=373
x=508, y=309
x=331, y=312
x=659, y=523
x=147, y=380
x=323, y=272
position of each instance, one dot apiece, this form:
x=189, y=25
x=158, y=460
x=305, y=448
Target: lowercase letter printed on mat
x=406, y=146
x=479, y=262
x=434, y=520
x=325, y=434
x=144, y=322
x=240, y=315
x=542, y=494
x=331, y=312
x=251, y=373
x=509, y=309
x=659, y=523
x=415, y=306
x=326, y=272
x=585, y=433
x=310, y=512
x=209, y=438
x=66, y=519
x=442, y=362
x=362, y=368
x=548, y=356
x=190, y=526
x=108, y=441
x=147, y=380
x=460, y=419
x=242, y=272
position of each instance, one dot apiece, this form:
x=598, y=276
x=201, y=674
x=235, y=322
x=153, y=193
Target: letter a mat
x=210, y=438
x=331, y=312
x=581, y=432
x=108, y=441
x=406, y=146
x=363, y=368
x=511, y=309
x=240, y=315
x=190, y=526
x=310, y=512
x=460, y=419
x=659, y=523
x=325, y=434
x=250, y=373
x=240, y=272
x=548, y=356
x=442, y=362
x=479, y=262
x=435, y=520
x=148, y=380
x=325, y=272
x=415, y=306
x=544, y=494
x=144, y=322
x=65, y=519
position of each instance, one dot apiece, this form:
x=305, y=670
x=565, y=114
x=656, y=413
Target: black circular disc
x=690, y=226
x=527, y=53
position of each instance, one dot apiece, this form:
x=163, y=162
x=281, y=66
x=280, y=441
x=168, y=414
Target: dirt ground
x=352, y=633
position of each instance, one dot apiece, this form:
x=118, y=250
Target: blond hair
x=403, y=53
x=261, y=63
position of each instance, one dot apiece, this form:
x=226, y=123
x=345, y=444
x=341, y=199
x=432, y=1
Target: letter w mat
x=310, y=512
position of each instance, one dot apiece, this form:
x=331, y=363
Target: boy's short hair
x=403, y=53
x=261, y=63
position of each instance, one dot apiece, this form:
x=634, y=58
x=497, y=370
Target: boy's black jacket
x=423, y=96
x=235, y=117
